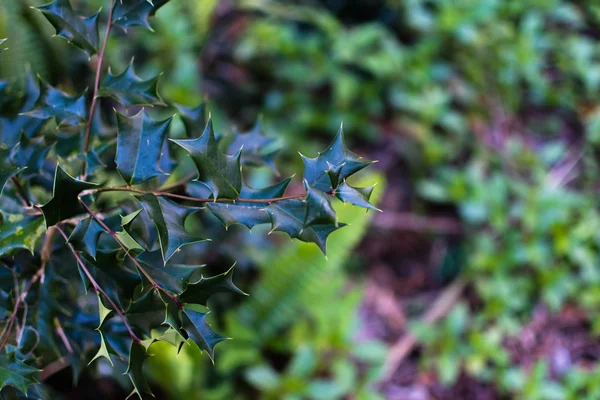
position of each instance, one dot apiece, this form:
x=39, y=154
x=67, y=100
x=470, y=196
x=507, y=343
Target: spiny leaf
x=318, y=208
x=135, y=369
x=194, y=119
x=336, y=162
x=257, y=149
x=356, y=196
x=169, y=220
x=16, y=373
x=82, y=32
x=129, y=89
x=64, y=203
x=7, y=169
x=66, y=110
x=103, y=351
x=198, y=330
x=18, y=231
x=173, y=277
x=124, y=237
x=30, y=153
x=139, y=145
x=221, y=173
x=135, y=12
x=200, y=292
x=85, y=236
x=248, y=214
x=14, y=123
x=288, y=216
x=147, y=312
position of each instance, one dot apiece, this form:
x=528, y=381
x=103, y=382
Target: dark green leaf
x=318, y=208
x=7, y=169
x=169, y=220
x=30, y=153
x=147, y=312
x=131, y=90
x=67, y=110
x=336, y=162
x=64, y=203
x=221, y=173
x=85, y=236
x=135, y=369
x=16, y=373
x=139, y=145
x=198, y=330
x=194, y=119
x=173, y=277
x=248, y=214
x=288, y=216
x=200, y=292
x=19, y=232
x=82, y=32
x=135, y=12
x=257, y=149
x=356, y=196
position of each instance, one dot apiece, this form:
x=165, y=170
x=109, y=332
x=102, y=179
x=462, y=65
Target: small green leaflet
x=221, y=173
x=129, y=89
x=64, y=203
x=169, y=220
x=135, y=12
x=198, y=330
x=139, y=146
x=18, y=231
x=124, y=237
x=82, y=32
x=332, y=166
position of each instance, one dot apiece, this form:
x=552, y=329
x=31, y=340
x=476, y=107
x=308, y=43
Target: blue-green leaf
x=135, y=12
x=198, y=330
x=129, y=89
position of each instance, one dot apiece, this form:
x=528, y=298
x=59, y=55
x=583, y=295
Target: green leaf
x=135, y=12
x=198, y=330
x=173, y=277
x=194, y=119
x=248, y=214
x=85, y=236
x=318, y=208
x=1, y=42
x=257, y=149
x=169, y=220
x=64, y=203
x=82, y=32
x=7, y=169
x=19, y=232
x=16, y=373
x=288, y=216
x=356, y=196
x=220, y=173
x=103, y=351
x=139, y=146
x=66, y=110
x=147, y=312
x=337, y=163
x=30, y=153
x=124, y=237
x=14, y=123
x=129, y=89
x=200, y=292
x=135, y=369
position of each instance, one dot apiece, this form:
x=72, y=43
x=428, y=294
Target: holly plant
x=99, y=228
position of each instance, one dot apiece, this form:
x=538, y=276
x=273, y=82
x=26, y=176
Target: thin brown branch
x=97, y=287
x=132, y=258
x=21, y=191
x=88, y=125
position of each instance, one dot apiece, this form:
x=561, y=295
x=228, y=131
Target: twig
x=21, y=191
x=132, y=258
x=402, y=348
x=97, y=287
x=53, y=368
x=88, y=126
x=39, y=276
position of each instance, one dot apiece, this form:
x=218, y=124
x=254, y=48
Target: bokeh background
x=481, y=278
